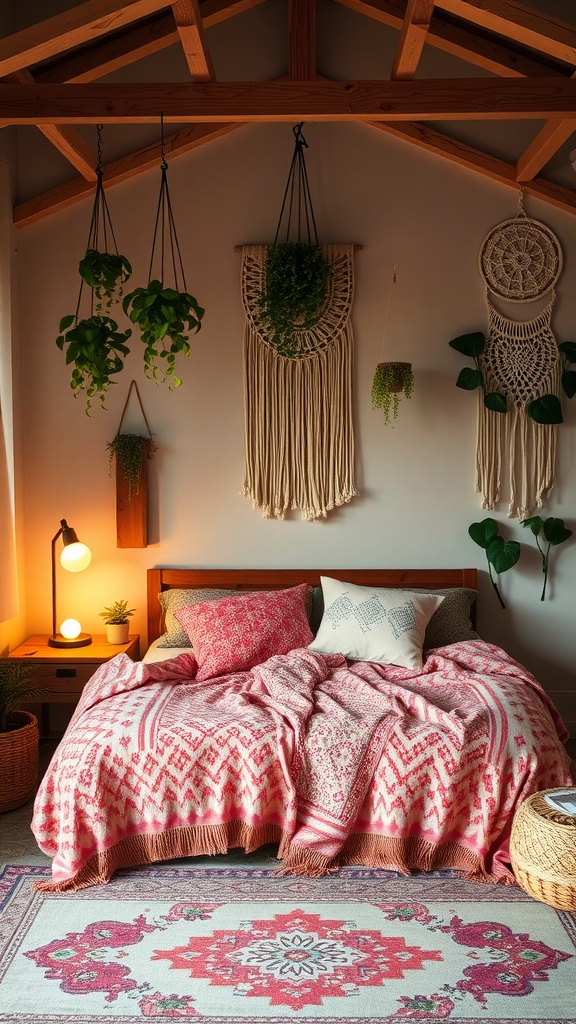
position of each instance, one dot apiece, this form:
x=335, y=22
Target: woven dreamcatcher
x=520, y=261
x=297, y=296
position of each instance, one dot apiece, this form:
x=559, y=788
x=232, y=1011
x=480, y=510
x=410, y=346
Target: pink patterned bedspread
x=335, y=762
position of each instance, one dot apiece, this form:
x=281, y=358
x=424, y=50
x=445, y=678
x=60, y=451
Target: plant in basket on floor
x=19, y=736
x=117, y=616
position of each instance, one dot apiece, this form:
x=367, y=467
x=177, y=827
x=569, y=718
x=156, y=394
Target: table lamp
x=75, y=556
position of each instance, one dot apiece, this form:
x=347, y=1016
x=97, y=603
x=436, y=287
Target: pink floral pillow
x=235, y=633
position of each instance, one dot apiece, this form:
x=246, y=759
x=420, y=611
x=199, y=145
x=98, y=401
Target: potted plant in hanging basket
x=96, y=348
x=105, y=273
x=295, y=289
x=129, y=451
x=19, y=735
x=166, y=317
x=391, y=381
x=117, y=619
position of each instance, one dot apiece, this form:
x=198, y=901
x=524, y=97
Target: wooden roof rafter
x=499, y=36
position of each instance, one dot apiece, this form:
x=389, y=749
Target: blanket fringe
x=407, y=855
x=191, y=841
x=300, y=861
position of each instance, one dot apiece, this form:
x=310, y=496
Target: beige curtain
x=8, y=577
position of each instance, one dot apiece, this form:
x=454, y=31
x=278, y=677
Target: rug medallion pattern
x=238, y=945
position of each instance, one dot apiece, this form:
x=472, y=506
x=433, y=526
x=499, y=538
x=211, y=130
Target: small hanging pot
x=397, y=374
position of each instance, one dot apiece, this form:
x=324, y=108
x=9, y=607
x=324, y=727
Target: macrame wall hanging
x=520, y=261
x=297, y=295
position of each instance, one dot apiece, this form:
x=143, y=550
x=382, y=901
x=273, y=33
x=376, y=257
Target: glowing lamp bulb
x=70, y=629
x=75, y=557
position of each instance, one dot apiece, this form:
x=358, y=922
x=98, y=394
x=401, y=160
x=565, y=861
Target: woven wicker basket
x=19, y=762
x=543, y=852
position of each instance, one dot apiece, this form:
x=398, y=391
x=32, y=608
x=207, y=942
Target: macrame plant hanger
x=299, y=441
x=131, y=451
x=520, y=261
x=392, y=378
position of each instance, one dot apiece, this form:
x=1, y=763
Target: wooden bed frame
x=277, y=579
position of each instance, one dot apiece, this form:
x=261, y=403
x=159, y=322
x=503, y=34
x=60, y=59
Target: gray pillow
x=171, y=600
x=449, y=624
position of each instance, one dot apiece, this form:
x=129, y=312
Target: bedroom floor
x=18, y=846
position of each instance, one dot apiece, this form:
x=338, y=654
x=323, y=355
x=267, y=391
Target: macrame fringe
x=299, y=442
x=522, y=361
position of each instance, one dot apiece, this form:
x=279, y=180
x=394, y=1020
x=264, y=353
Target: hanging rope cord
x=100, y=221
x=167, y=225
x=297, y=194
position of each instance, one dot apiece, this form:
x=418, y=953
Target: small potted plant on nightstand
x=117, y=617
x=19, y=735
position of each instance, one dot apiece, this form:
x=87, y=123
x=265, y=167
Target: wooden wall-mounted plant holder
x=132, y=496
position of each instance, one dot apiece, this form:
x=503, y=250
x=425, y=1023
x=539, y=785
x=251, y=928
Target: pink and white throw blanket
x=337, y=763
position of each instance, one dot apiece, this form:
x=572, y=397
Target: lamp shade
x=75, y=557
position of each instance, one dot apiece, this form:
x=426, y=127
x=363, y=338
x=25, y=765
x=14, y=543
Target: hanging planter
x=296, y=273
x=391, y=381
x=131, y=453
x=165, y=315
x=94, y=346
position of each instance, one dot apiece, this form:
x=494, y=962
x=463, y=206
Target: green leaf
x=546, y=409
x=503, y=554
x=555, y=531
x=483, y=533
x=534, y=523
x=66, y=322
x=569, y=383
x=469, y=379
x=568, y=350
x=496, y=402
x=469, y=344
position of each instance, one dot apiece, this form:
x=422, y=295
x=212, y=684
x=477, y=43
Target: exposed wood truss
x=49, y=76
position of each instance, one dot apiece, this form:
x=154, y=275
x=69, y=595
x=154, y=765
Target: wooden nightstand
x=65, y=672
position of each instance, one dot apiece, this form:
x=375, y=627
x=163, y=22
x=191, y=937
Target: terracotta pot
x=19, y=762
x=118, y=633
x=400, y=368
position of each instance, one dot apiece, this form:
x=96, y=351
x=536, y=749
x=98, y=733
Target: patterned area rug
x=231, y=945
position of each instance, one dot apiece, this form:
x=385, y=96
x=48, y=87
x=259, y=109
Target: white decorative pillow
x=373, y=624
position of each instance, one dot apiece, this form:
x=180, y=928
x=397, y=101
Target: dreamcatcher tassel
x=521, y=359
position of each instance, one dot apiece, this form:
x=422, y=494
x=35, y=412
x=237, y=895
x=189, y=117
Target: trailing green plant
x=554, y=532
x=295, y=288
x=96, y=348
x=472, y=345
x=128, y=450
x=390, y=382
x=166, y=318
x=117, y=614
x=105, y=273
x=501, y=554
x=15, y=689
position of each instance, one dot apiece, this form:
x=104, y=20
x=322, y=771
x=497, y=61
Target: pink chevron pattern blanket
x=337, y=763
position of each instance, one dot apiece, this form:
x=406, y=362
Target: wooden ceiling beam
x=118, y=171
x=460, y=153
x=192, y=37
x=86, y=21
x=490, y=54
x=468, y=99
x=129, y=45
x=525, y=25
x=412, y=38
x=542, y=148
x=64, y=138
x=302, y=40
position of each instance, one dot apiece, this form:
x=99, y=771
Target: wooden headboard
x=276, y=579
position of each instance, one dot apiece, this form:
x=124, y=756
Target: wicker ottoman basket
x=543, y=852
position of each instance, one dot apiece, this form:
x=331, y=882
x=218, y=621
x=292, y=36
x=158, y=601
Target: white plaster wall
x=416, y=481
